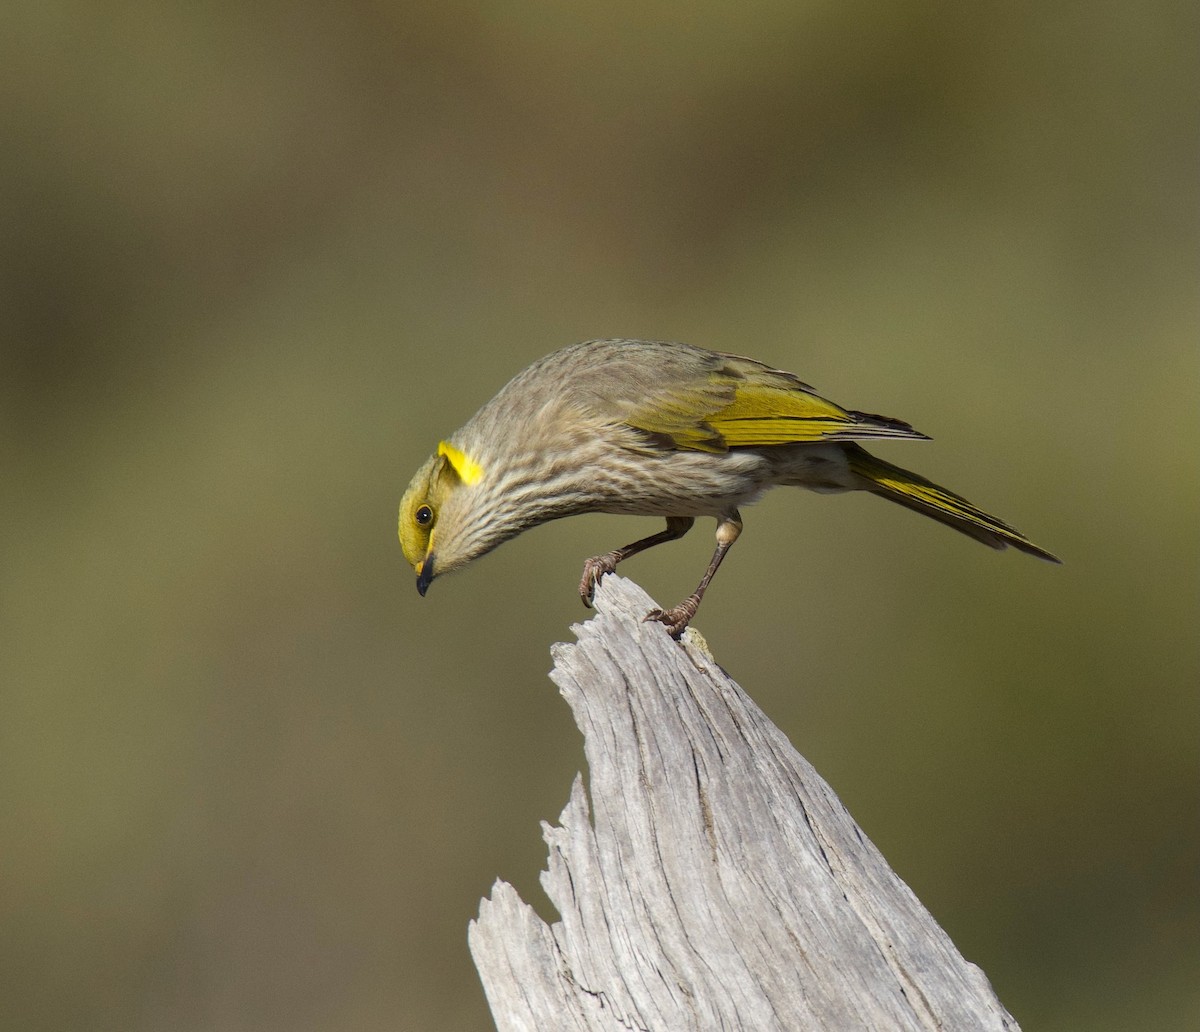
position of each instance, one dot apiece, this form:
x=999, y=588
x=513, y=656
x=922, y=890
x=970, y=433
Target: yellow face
x=418, y=513
x=442, y=475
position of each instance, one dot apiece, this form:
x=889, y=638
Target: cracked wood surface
x=708, y=878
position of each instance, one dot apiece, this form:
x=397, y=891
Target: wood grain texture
x=708, y=878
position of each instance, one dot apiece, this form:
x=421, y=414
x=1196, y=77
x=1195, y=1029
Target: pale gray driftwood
x=717, y=882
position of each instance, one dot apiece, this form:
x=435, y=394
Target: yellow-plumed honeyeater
x=653, y=428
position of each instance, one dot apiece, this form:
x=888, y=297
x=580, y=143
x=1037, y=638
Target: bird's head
x=441, y=524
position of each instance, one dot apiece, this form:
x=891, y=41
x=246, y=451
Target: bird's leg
x=729, y=527
x=599, y=565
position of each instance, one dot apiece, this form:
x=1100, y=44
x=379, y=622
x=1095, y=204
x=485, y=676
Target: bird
x=653, y=428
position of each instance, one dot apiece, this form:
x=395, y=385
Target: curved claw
x=593, y=570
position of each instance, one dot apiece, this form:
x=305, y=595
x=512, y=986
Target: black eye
x=424, y=516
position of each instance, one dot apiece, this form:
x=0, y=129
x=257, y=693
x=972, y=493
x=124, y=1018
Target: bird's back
x=682, y=398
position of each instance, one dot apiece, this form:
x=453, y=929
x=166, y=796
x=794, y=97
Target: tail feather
x=924, y=496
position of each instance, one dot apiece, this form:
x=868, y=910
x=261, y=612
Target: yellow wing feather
x=747, y=405
x=762, y=414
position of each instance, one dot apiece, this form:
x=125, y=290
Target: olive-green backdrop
x=258, y=258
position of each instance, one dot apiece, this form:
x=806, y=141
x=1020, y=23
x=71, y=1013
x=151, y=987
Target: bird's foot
x=593, y=570
x=677, y=619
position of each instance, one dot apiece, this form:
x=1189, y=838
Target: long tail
x=924, y=496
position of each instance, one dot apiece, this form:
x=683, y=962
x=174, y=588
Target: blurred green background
x=257, y=259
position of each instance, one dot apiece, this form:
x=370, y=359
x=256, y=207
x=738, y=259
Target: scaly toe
x=675, y=620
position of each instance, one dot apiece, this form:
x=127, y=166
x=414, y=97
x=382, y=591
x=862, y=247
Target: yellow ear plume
x=469, y=471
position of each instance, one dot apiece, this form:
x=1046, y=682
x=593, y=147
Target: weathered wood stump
x=715, y=881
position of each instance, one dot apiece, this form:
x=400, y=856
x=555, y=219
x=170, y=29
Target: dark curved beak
x=425, y=576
